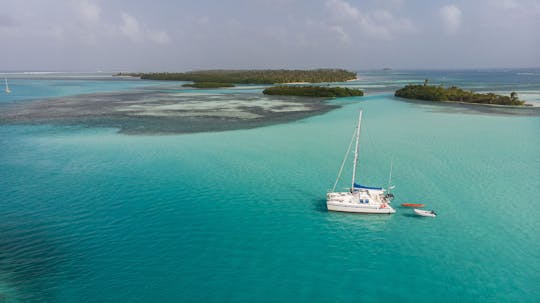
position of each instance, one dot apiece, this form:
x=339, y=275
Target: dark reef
x=159, y=111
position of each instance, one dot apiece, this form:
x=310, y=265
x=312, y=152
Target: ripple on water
x=32, y=260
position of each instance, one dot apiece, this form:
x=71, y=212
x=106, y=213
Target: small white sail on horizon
x=6, y=90
x=359, y=198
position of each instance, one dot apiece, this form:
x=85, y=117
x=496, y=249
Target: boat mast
x=390, y=175
x=356, y=149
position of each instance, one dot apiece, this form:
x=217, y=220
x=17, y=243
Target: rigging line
x=368, y=145
x=371, y=148
x=390, y=175
x=369, y=142
x=344, y=160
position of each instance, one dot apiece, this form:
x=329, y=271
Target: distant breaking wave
x=41, y=72
x=53, y=74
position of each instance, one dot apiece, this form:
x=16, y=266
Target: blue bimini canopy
x=356, y=185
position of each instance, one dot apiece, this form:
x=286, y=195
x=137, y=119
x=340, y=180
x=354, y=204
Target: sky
x=167, y=35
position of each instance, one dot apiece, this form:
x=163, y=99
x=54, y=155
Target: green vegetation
x=440, y=93
x=256, y=76
x=128, y=74
x=208, y=85
x=312, y=91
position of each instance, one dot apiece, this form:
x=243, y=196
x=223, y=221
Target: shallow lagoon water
x=90, y=215
x=163, y=108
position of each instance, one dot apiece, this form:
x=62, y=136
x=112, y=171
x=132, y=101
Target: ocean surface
x=88, y=214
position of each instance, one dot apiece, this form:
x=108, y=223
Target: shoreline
x=532, y=104
x=292, y=83
x=526, y=105
x=287, y=83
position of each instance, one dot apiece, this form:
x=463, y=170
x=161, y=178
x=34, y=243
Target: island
x=208, y=85
x=254, y=76
x=455, y=94
x=312, y=91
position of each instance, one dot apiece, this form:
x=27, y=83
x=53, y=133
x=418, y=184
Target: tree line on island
x=252, y=76
x=226, y=78
x=208, y=85
x=455, y=94
x=312, y=91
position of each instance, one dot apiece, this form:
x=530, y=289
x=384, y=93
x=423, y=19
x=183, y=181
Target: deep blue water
x=90, y=215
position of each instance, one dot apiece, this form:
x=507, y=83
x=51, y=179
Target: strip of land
x=253, y=76
x=208, y=85
x=313, y=91
x=455, y=94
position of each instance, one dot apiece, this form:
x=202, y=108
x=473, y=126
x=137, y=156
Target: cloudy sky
x=167, y=35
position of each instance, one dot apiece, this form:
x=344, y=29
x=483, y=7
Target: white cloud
x=342, y=10
x=451, y=18
x=515, y=13
x=159, y=37
x=343, y=36
x=88, y=11
x=203, y=20
x=509, y=4
x=357, y=33
x=377, y=24
x=131, y=28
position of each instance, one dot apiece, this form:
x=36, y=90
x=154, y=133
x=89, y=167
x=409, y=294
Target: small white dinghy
x=425, y=213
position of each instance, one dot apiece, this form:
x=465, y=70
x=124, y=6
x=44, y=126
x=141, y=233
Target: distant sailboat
x=7, y=90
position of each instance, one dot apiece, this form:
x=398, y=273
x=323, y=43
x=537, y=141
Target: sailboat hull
x=356, y=209
x=356, y=203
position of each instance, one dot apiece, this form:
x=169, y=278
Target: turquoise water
x=89, y=215
x=26, y=89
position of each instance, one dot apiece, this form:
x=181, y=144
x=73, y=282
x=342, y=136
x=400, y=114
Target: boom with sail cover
x=356, y=185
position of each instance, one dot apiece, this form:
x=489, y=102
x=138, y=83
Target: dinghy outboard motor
x=389, y=196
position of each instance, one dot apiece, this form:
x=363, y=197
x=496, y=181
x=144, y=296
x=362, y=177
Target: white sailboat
x=359, y=198
x=7, y=90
